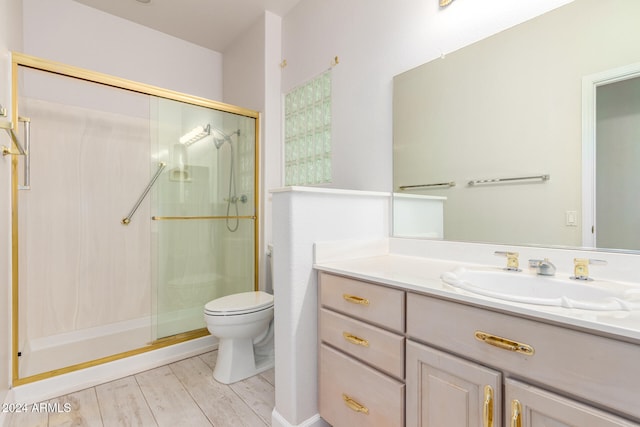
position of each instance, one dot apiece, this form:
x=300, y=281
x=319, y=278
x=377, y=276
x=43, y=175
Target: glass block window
x=307, y=135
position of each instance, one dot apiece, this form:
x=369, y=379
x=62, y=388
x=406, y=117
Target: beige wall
x=510, y=105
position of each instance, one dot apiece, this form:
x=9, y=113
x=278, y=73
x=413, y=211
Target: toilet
x=243, y=324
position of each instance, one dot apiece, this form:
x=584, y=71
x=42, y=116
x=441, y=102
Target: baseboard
x=49, y=388
x=278, y=420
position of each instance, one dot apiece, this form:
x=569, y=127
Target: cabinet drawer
x=602, y=370
x=378, y=347
x=371, y=303
x=353, y=394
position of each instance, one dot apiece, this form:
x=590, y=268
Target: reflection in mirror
x=510, y=106
x=617, y=189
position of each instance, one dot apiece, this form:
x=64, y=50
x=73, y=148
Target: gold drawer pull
x=516, y=414
x=352, y=404
x=504, y=343
x=355, y=340
x=355, y=300
x=487, y=413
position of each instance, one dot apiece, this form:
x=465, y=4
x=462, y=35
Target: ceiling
x=213, y=24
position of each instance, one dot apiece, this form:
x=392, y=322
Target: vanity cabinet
x=361, y=356
x=540, y=365
x=444, y=390
x=463, y=365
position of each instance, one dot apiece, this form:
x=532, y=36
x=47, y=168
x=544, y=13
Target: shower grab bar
x=168, y=218
x=22, y=150
x=498, y=180
x=439, y=184
x=126, y=220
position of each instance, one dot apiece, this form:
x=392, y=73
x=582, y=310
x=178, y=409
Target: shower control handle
x=235, y=199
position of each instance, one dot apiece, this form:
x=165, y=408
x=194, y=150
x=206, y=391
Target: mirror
x=494, y=132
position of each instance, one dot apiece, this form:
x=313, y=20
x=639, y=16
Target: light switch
x=571, y=218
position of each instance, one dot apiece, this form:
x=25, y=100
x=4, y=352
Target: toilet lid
x=244, y=302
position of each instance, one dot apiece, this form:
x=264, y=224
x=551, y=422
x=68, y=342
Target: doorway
x=611, y=155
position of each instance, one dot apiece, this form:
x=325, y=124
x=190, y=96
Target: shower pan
x=126, y=229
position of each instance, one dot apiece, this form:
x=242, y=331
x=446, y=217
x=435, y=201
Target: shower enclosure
x=141, y=207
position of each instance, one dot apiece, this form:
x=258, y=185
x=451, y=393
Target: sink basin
x=529, y=288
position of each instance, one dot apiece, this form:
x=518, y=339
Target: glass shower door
x=91, y=283
x=84, y=279
x=204, y=212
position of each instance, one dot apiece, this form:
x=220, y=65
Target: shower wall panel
x=81, y=268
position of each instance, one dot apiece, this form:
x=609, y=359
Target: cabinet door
x=444, y=390
x=528, y=406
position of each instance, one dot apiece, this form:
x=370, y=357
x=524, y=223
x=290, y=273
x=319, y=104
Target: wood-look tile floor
x=183, y=393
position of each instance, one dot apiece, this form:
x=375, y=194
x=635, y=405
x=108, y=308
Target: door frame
x=590, y=85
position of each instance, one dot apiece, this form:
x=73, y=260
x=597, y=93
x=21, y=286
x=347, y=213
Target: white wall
x=10, y=39
x=244, y=67
x=303, y=216
x=374, y=44
x=272, y=123
x=75, y=34
x=252, y=80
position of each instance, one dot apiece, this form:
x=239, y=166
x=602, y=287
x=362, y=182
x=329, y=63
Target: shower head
x=219, y=137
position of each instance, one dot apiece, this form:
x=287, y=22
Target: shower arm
x=126, y=220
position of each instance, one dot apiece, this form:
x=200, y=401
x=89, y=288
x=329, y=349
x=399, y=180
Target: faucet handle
x=512, y=260
x=581, y=267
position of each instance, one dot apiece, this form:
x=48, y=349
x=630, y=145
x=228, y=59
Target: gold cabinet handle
x=355, y=340
x=516, y=414
x=504, y=343
x=352, y=404
x=355, y=300
x=487, y=412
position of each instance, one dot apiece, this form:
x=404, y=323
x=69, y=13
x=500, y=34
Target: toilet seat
x=237, y=304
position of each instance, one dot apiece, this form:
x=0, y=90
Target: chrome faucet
x=543, y=267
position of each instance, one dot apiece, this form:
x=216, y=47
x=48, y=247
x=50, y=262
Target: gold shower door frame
x=22, y=60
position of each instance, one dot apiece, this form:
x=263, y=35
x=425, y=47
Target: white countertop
x=422, y=275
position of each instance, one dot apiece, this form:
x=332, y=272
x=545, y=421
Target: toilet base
x=237, y=361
